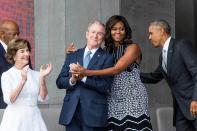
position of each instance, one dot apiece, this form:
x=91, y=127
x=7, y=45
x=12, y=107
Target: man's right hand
x=77, y=69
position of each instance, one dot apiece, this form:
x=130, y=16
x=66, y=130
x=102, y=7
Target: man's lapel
x=169, y=57
x=160, y=63
x=80, y=56
x=2, y=50
x=95, y=58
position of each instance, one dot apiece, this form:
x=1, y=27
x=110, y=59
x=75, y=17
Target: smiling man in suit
x=85, y=103
x=8, y=31
x=178, y=65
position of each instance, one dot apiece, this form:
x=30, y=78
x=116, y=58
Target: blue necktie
x=87, y=59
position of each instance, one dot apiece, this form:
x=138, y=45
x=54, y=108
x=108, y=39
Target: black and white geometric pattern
x=128, y=101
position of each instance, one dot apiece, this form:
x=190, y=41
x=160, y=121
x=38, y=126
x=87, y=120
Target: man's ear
x=163, y=31
x=87, y=34
x=1, y=33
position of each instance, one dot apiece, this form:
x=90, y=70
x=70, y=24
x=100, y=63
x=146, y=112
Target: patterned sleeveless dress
x=128, y=101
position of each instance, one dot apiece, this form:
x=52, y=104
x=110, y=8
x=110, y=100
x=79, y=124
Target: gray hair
x=163, y=24
x=97, y=23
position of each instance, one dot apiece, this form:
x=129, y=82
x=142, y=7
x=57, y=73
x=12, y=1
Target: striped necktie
x=87, y=59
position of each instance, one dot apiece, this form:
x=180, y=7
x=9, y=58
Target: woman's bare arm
x=132, y=54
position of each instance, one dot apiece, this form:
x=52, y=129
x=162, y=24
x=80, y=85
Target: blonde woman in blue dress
x=22, y=88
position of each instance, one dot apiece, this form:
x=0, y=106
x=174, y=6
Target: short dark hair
x=163, y=24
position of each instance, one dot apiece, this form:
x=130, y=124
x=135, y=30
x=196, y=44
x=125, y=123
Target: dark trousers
x=183, y=124
x=77, y=123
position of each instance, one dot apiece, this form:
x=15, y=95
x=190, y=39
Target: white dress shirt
x=4, y=45
x=165, y=54
x=85, y=53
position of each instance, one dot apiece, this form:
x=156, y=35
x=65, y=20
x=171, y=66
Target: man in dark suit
x=8, y=31
x=178, y=65
x=85, y=103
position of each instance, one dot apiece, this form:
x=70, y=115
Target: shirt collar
x=166, y=44
x=4, y=45
x=93, y=51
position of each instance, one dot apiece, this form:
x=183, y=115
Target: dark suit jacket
x=4, y=66
x=181, y=74
x=91, y=95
